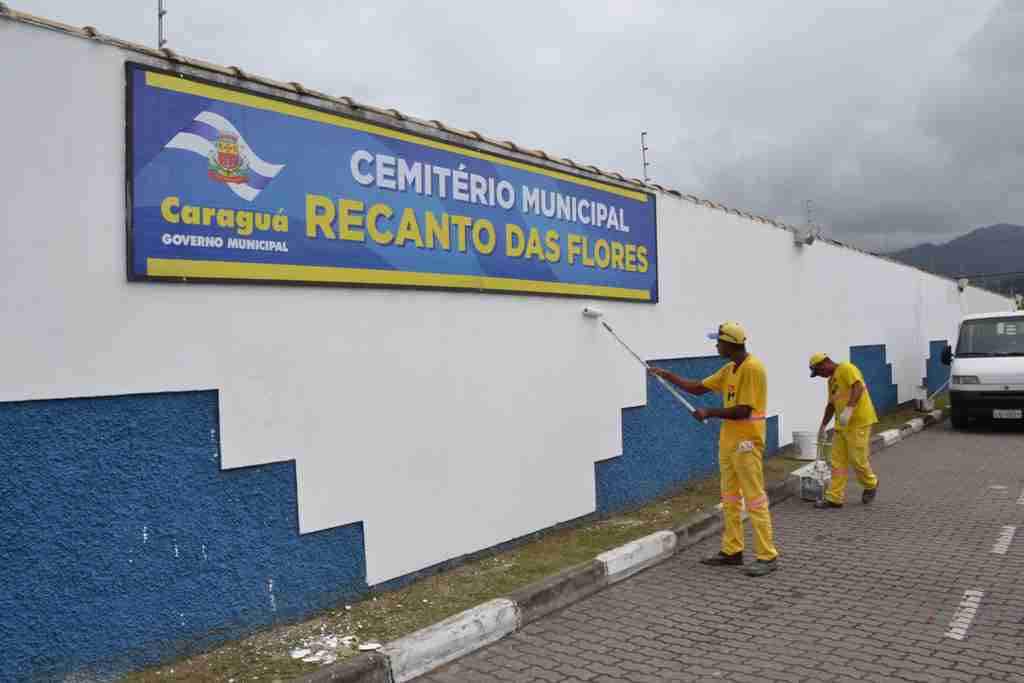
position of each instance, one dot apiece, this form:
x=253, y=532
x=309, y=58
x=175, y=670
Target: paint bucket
x=806, y=445
x=920, y=396
x=922, y=402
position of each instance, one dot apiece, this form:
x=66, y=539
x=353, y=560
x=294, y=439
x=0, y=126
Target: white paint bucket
x=806, y=445
x=922, y=402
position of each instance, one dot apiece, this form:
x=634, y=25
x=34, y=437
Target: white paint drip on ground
x=1004, y=540
x=204, y=552
x=176, y=550
x=270, y=589
x=324, y=650
x=965, y=614
x=145, y=534
x=321, y=657
x=997, y=487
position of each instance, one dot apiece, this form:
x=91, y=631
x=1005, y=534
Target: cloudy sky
x=900, y=121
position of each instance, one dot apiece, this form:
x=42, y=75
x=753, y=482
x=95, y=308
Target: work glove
x=844, y=417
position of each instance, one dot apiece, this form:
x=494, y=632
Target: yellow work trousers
x=742, y=477
x=850, y=448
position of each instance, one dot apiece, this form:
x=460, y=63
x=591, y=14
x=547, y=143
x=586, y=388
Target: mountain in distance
x=990, y=250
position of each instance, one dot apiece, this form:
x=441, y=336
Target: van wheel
x=959, y=419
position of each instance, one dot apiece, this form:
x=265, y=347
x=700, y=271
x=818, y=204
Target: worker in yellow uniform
x=743, y=383
x=850, y=402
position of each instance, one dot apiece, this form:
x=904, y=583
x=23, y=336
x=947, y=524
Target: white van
x=987, y=368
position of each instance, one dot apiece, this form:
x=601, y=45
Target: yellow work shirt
x=840, y=384
x=747, y=386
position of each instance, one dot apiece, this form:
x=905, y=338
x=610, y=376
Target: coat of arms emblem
x=227, y=160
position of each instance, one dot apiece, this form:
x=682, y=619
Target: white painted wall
x=448, y=422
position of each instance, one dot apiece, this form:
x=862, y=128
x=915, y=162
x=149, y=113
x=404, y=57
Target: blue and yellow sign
x=228, y=185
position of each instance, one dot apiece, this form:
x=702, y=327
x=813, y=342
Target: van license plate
x=1008, y=414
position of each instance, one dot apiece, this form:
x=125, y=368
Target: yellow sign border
x=235, y=270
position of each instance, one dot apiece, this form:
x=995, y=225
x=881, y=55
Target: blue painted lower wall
x=663, y=447
x=877, y=375
x=125, y=544
x=936, y=372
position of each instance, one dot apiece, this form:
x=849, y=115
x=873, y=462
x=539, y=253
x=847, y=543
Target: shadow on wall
x=936, y=372
x=663, y=447
x=877, y=375
x=125, y=544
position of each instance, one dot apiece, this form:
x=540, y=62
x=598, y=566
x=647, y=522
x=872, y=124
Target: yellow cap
x=732, y=332
x=815, y=359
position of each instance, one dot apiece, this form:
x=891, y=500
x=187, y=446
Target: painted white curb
x=938, y=415
x=626, y=560
x=917, y=424
x=429, y=648
x=890, y=436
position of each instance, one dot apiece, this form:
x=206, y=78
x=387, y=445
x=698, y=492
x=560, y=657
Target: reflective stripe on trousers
x=743, y=473
x=850, y=447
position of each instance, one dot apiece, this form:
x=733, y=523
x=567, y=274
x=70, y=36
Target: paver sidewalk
x=925, y=584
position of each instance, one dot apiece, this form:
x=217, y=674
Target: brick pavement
x=866, y=593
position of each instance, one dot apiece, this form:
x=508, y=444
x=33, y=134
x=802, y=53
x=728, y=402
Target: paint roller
x=594, y=313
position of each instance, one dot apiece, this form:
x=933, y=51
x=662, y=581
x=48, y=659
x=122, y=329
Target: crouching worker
x=849, y=400
x=743, y=384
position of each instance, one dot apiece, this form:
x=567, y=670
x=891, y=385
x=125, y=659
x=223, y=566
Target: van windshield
x=991, y=337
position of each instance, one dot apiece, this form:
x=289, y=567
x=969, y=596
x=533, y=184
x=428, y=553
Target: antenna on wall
x=806, y=237
x=643, y=154
x=160, y=12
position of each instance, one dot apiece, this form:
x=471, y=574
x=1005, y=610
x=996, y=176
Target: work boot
x=827, y=504
x=868, y=495
x=723, y=560
x=763, y=567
